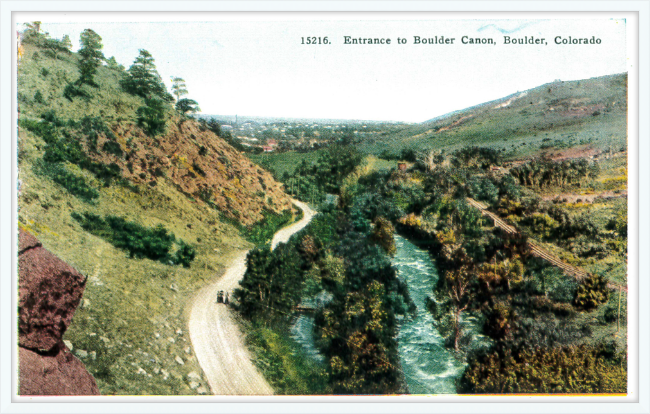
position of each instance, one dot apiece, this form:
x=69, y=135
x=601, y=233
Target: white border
x=373, y=404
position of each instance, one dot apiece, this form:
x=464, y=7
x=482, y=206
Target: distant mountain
x=558, y=114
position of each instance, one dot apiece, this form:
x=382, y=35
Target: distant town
x=258, y=135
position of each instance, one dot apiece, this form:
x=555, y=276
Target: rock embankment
x=49, y=293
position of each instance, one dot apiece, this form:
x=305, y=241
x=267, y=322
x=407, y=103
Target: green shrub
x=476, y=157
x=544, y=173
x=38, y=97
x=92, y=127
x=262, y=232
x=63, y=145
x=112, y=147
x=185, y=254
x=152, y=117
x=283, y=362
x=196, y=167
x=611, y=314
x=152, y=243
x=72, y=91
x=580, y=369
x=592, y=292
x=619, y=223
x=272, y=284
x=76, y=185
x=382, y=234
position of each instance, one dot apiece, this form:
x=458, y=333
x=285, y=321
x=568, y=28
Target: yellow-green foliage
x=108, y=100
x=542, y=225
x=333, y=269
x=410, y=220
x=592, y=292
x=382, y=234
x=284, y=162
x=616, y=177
x=132, y=323
x=367, y=166
x=567, y=370
x=137, y=304
x=286, y=368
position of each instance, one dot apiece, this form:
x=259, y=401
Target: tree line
x=141, y=79
x=355, y=330
x=523, y=303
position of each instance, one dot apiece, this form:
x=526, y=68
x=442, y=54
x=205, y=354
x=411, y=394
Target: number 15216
x=315, y=41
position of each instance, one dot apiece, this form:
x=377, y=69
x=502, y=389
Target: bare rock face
x=58, y=374
x=49, y=293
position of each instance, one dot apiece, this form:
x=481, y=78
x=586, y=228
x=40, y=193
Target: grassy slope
x=280, y=162
x=528, y=123
x=130, y=331
x=557, y=111
x=126, y=300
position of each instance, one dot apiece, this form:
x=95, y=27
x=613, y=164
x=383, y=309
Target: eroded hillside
x=199, y=163
x=149, y=219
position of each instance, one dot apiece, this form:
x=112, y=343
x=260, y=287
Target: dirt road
x=283, y=235
x=217, y=340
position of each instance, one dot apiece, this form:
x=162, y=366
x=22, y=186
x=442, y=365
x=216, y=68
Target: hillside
x=149, y=219
x=585, y=113
x=196, y=161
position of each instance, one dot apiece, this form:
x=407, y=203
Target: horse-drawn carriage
x=222, y=297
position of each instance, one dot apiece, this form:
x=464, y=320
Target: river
x=429, y=367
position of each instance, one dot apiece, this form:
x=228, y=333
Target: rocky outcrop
x=49, y=293
x=201, y=165
x=58, y=374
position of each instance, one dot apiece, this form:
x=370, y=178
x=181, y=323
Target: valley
x=480, y=252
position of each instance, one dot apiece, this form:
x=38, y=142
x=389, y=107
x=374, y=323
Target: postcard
x=324, y=205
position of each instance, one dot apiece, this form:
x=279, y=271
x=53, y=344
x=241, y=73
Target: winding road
x=217, y=340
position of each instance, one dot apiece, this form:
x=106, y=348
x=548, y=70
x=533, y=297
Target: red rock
x=59, y=374
x=27, y=241
x=49, y=293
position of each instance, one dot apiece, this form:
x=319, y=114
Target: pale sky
x=260, y=68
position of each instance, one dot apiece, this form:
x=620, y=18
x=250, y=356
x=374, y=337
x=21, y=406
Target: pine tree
x=66, y=42
x=152, y=117
x=179, y=88
x=187, y=105
x=142, y=79
x=91, y=57
x=32, y=31
x=112, y=64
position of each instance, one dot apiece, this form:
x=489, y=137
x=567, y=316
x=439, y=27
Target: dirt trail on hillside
x=217, y=340
x=537, y=250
